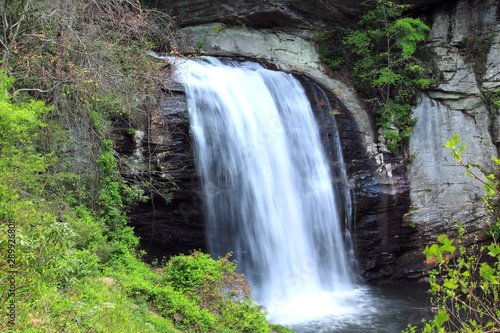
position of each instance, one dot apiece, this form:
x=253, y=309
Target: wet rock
x=172, y=222
x=380, y=190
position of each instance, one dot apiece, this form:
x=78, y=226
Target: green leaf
x=494, y=250
x=487, y=272
x=434, y=287
x=447, y=244
x=432, y=251
x=450, y=284
x=441, y=318
x=455, y=140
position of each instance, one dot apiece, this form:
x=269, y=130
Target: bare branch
x=33, y=89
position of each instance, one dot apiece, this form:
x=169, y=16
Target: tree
x=19, y=161
x=88, y=60
x=15, y=19
x=386, y=69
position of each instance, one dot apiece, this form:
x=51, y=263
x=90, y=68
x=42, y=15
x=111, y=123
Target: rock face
x=283, y=14
x=400, y=206
x=172, y=222
x=465, y=44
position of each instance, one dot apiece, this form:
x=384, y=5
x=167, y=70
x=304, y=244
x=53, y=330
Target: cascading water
x=267, y=185
x=272, y=199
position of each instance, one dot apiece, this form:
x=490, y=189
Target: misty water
x=270, y=198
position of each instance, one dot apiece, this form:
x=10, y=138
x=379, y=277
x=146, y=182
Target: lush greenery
x=465, y=285
x=387, y=72
x=69, y=70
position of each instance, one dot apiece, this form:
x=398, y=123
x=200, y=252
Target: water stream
x=270, y=194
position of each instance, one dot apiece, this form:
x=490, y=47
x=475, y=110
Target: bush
x=198, y=293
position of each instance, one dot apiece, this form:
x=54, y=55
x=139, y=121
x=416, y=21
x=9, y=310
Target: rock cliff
x=465, y=44
x=400, y=206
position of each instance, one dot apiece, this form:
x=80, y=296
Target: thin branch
x=476, y=177
x=34, y=89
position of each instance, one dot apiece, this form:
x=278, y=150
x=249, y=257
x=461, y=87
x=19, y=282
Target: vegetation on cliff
x=69, y=70
x=383, y=53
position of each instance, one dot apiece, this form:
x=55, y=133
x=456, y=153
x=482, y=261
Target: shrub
x=198, y=293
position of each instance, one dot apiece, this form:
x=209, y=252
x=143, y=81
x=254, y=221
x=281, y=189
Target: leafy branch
x=489, y=186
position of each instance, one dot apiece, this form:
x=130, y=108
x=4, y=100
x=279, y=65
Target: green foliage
x=438, y=251
x=131, y=132
x=197, y=293
x=386, y=69
x=215, y=286
x=201, y=43
x=464, y=290
x=279, y=328
x=453, y=144
x=19, y=162
x=330, y=48
x=492, y=101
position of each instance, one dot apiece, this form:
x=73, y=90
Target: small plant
x=201, y=43
x=489, y=184
x=413, y=156
x=492, y=100
x=131, y=132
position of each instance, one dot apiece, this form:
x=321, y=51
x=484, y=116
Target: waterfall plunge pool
x=373, y=309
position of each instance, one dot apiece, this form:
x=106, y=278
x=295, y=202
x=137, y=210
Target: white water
x=268, y=188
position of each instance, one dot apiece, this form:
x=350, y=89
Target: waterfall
x=267, y=185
